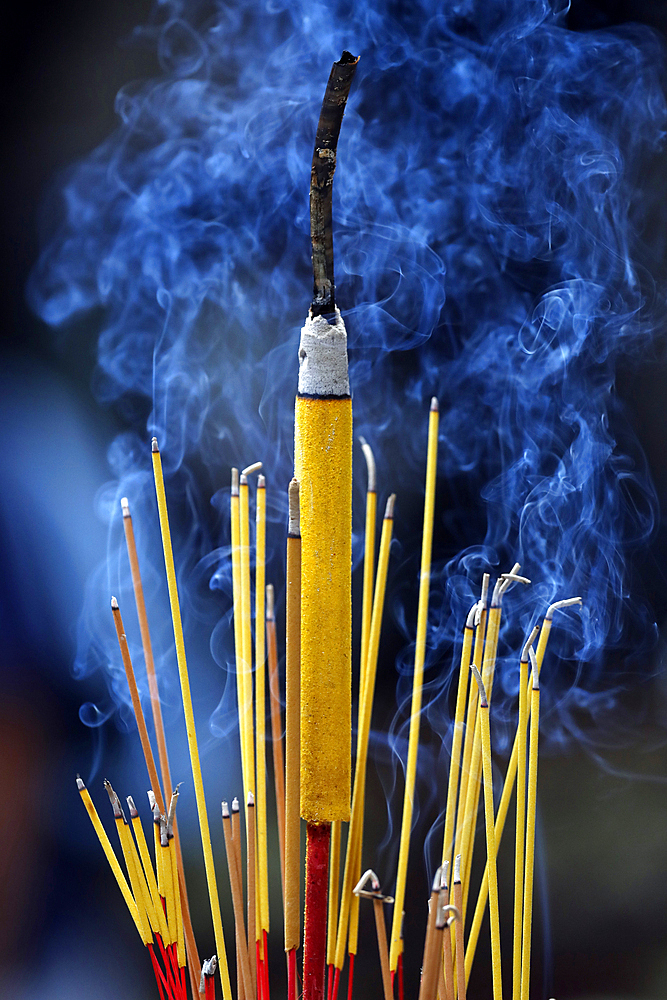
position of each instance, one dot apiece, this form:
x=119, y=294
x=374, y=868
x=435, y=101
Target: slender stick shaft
x=460, y=969
x=418, y=677
x=431, y=959
x=276, y=728
x=483, y=716
x=190, y=726
x=354, y=839
x=251, y=861
x=260, y=709
x=381, y=930
x=292, y=740
x=235, y=531
x=334, y=877
x=530, y=842
x=519, y=844
x=246, y=639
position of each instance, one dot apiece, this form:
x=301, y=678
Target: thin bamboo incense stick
x=136, y=704
x=332, y=924
x=508, y=786
x=147, y=864
x=191, y=945
x=276, y=726
x=379, y=900
x=366, y=613
x=292, y=725
x=457, y=736
x=430, y=960
x=190, y=725
x=418, y=677
x=237, y=900
x=530, y=828
x=458, y=925
x=519, y=843
x=109, y=852
x=483, y=716
x=251, y=859
x=260, y=708
x=135, y=880
x=353, y=853
x=238, y=861
x=235, y=536
x=446, y=966
x=246, y=635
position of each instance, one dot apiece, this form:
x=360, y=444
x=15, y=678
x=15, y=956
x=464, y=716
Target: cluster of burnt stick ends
x=312, y=763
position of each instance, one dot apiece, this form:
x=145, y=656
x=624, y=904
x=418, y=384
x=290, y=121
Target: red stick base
x=315, y=918
x=350, y=975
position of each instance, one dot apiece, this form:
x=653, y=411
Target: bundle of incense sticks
x=312, y=767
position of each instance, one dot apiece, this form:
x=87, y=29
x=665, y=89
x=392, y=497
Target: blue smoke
x=493, y=247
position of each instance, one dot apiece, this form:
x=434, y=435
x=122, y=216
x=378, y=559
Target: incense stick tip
x=567, y=603
x=389, y=509
x=235, y=482
x=534, y=669
x=225, y=809
x=529, y=642
x=251, y=468
x=435, y=406
x=79, y=783
x=483, y=702
x=270, y=602
x=261, y=482
x=472, y=615
x=114, y=604
x=125, y=506
x=294, y=517
x=370, y=464
x=154, y=445
x=235, y=805
x=251, y=799
x=457, y=869
x=134, y=812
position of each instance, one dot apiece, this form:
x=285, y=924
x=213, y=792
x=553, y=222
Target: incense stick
x=260, y=708
x=276, y=727
x=379, y=900
x=415, y=710
x=530, y=828
x=190, y=724
x=292, y=726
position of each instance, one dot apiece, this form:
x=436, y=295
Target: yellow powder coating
x=251, y=869
x=149, y=873
x=487, y=769
x=169, y=890
x=471, y=718
x=457, y=739
x=292, y=764
x=236, y=591
x=530, y=842
x=334, y=877
x=260, y=693
x=519, y=842
x=246, y=642
x=508, y=788
x=355, y=833
x=190, y=728
x=415, y=711
x=110, y=853
x=323, y=466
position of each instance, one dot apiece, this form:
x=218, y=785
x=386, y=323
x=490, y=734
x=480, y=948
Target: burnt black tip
x=347, y=58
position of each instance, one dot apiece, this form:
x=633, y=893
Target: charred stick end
x=321, y=182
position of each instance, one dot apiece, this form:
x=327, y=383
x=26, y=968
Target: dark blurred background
x=601, y=904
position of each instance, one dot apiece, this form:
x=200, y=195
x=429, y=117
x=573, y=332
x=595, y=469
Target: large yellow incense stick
x=292, y=713
x=508, y=787
x=457, y=737
x=415, y=711
x=260, y=710
x=323, y=466
x=519, y=842
x=190, y=724
x=353, y=853
x=191, y=945
x=487, y=768
x=530, y=829
x=109, y=852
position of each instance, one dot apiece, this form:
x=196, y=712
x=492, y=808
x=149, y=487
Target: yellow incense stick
x=519, y=842
x=235, y=536
x=237, y=902
x=276, y=726
x=136, y=880
x=530, y=829
x=508, y=786
x=353, y=853
x=251, y=860
x=292, y=722
x=246, y=636
x=147, y=866
x=457, y=737
x=418, y=677
x=260, y=709
x=458, y=931
x=487, y=769
x=190, y=725
x=332, y=901
x=109, y=852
